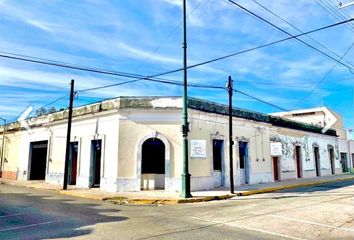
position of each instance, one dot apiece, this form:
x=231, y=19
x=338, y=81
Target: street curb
x=73, y=194
x=291, y=186
x=157, y=201
x=121, y=200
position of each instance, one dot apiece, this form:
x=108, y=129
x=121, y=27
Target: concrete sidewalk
x=162, y=197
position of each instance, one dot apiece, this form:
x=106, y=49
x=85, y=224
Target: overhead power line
x=254, y=48
x=56, y=100
x=130, y=75
x=289, y=34
x=322, y=80
x=169, y=35
x=65, y=65
x=293, y=26
x=260, y=100
x=336, y=14
x=170, y=82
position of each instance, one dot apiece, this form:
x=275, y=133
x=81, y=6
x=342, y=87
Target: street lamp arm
x=341, y=5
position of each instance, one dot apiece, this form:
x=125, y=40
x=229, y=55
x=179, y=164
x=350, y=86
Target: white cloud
x=105, y=35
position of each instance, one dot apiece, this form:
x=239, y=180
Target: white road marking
x=267, y=232
x=10, y=215
x=306, y=221
x=313, y=223
x=26, y=226
x=228, y=223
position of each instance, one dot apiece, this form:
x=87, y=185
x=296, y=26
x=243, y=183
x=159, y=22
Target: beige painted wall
x=135, y=126
x=206, y=126
x=12, y=150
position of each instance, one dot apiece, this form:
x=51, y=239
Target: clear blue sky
x=145, y=37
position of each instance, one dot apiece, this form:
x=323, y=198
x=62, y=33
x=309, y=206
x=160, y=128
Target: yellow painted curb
x=75, y=194
x=125, y=201
x=278, y=188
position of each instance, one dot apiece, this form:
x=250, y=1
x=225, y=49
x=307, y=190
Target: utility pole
x=3, y=146
x=66, y=165
x=186, y=177
x=231, y=142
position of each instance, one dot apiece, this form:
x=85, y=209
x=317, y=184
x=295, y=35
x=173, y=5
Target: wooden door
x=298, y=160
x=275, y=169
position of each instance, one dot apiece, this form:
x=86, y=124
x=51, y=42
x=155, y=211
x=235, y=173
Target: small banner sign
x=198, y=148
x=275, y=149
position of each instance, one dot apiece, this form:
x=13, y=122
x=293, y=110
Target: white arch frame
x=167, y=154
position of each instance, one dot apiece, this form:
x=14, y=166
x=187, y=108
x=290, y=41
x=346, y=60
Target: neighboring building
x=324, y=117
x=321, y=116
x=135, y=143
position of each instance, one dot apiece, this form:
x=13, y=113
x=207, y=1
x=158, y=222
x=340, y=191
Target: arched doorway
x=153, y=164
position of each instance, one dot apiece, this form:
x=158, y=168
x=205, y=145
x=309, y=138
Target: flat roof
x=174, y=102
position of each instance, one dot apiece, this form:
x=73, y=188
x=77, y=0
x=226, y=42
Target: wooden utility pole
x=231, y=142
x=68, y=134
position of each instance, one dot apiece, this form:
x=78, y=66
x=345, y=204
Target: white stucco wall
x=84, y=131
x=123, y=132
x=306, y=141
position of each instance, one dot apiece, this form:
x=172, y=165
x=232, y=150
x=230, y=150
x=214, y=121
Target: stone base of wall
x=128, y=184
x=338, y=171
x=288, y=175
x=261, y=178
x=217, y=175
x=9, y=175
x=326, y=172
x=309, y=173
x=173, y=184
x=54, y=178
x=202, y=183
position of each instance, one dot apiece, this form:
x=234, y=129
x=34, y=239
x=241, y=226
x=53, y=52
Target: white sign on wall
x=275, y=149
x=198, y=148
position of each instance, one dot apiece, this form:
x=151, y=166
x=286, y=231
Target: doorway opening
x=153, y=164
x=244, y=163
x=331, y=159
x=73, y=152
x=344, y=159
x=95, y=169
x=316, y=153
x=38, y=160
x=276, y=168
x=298, y=161
x=218, y=158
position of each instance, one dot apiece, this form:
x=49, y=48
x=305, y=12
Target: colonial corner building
x=135, y=143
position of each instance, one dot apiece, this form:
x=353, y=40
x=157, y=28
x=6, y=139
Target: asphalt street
x=321, y=212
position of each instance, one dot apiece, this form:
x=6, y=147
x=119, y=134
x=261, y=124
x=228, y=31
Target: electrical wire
x=135, y=76
x=260, y=100
x=333, y=12
x=253, y=48
x=343, y=13
x=284, y=31
x=68, y=66
x=170, y=82
x=57, y=100
x=169, y=35
x=322, y=80
x=293, y=26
